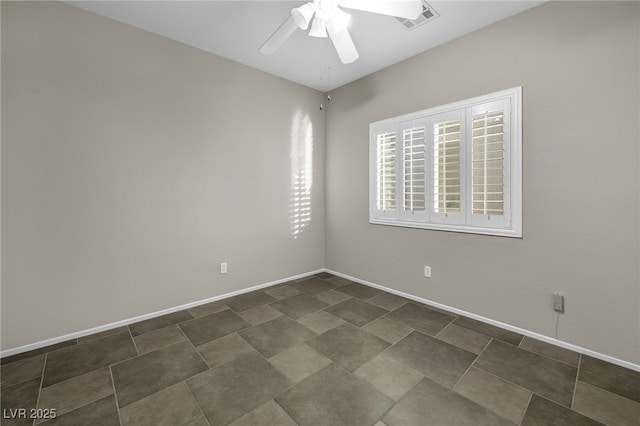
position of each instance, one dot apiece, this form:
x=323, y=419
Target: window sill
x=495, y=232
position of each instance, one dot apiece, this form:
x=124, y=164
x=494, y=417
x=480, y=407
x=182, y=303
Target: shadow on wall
x=301, y=155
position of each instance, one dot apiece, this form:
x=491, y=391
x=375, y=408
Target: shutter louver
x=446, y=167
x=414, y=173
x=488, y=164
x=386, y=172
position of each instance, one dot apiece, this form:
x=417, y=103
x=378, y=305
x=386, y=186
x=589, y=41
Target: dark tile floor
x=318, y=351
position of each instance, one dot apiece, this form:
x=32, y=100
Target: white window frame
x=510, y=223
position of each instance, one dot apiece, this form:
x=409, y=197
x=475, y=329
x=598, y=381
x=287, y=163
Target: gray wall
x=578, y=63
x=132, y=165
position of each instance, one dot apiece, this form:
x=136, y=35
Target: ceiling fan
x=328, y=19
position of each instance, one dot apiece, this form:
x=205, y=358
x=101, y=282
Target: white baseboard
x=89, y=331
x=547, y=339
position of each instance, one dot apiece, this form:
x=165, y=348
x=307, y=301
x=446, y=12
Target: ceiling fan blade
x=281, y=35
x=409, y=9
x=344, y=44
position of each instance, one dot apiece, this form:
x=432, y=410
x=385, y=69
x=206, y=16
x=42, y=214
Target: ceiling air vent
x=428, y=14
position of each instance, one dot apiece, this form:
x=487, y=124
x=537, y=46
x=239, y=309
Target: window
x=456, y=167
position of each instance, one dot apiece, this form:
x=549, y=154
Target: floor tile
x=260, y=314
x=420, y=318
x=39, y=351
x=158, y=339
x=77, y=392
x=299, y=362
x=429, y=403
x=389, y=376
x=606, y=407
x=437, y=360
x=169, y=407
x=356, y=311
x=332, y=397
x=549, y=378
x=20, y=396
x=489, y=330
x=320, y=321
x=276, y=335
x=147, y=374
x=610, y=377
x=551, y=351
x=79, y=359
x=503, y=398
x=95, y=336
x=207, y=309
x=248, y=300
x=324, y=275
x=360, y=291
x=213, y=327
x=159, y=322
x=299, y=305
x=464, y=338
x=388, y=301
x=339, y=281
x=541, y=411
x=282, y=292
x=21, y=371
x=102, y=412
x=348, y=346
x=387, y=329
x=332, y=297
x=268, y=414
x=229, y=391
x=224, y=349
x=313, y=285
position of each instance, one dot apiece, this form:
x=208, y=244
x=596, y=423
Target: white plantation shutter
x=414, y=170
x=489, y=165
x=456, y=167
x=386, y=172
x=448, y=168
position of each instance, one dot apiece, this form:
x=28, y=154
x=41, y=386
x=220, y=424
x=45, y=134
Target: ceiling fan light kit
x=302, y=15
x=326, y=18
x=318, y=28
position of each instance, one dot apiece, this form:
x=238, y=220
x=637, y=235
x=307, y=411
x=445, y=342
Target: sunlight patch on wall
x=301, y=173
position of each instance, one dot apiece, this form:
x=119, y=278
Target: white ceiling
x=237, y=29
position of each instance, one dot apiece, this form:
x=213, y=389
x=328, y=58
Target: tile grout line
x=197, y=403
x=524, y=413
x=531, y=393
x=443, y=329
x=527, y=389
x=470, y=366
x=44, y=366
x=547, y=356
x=115, y=395
x=133, y=341
x=283, y=409
x=90, y=401
x=196, y=349
x=613, y=394
x=506, y=380
x=575, y=385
